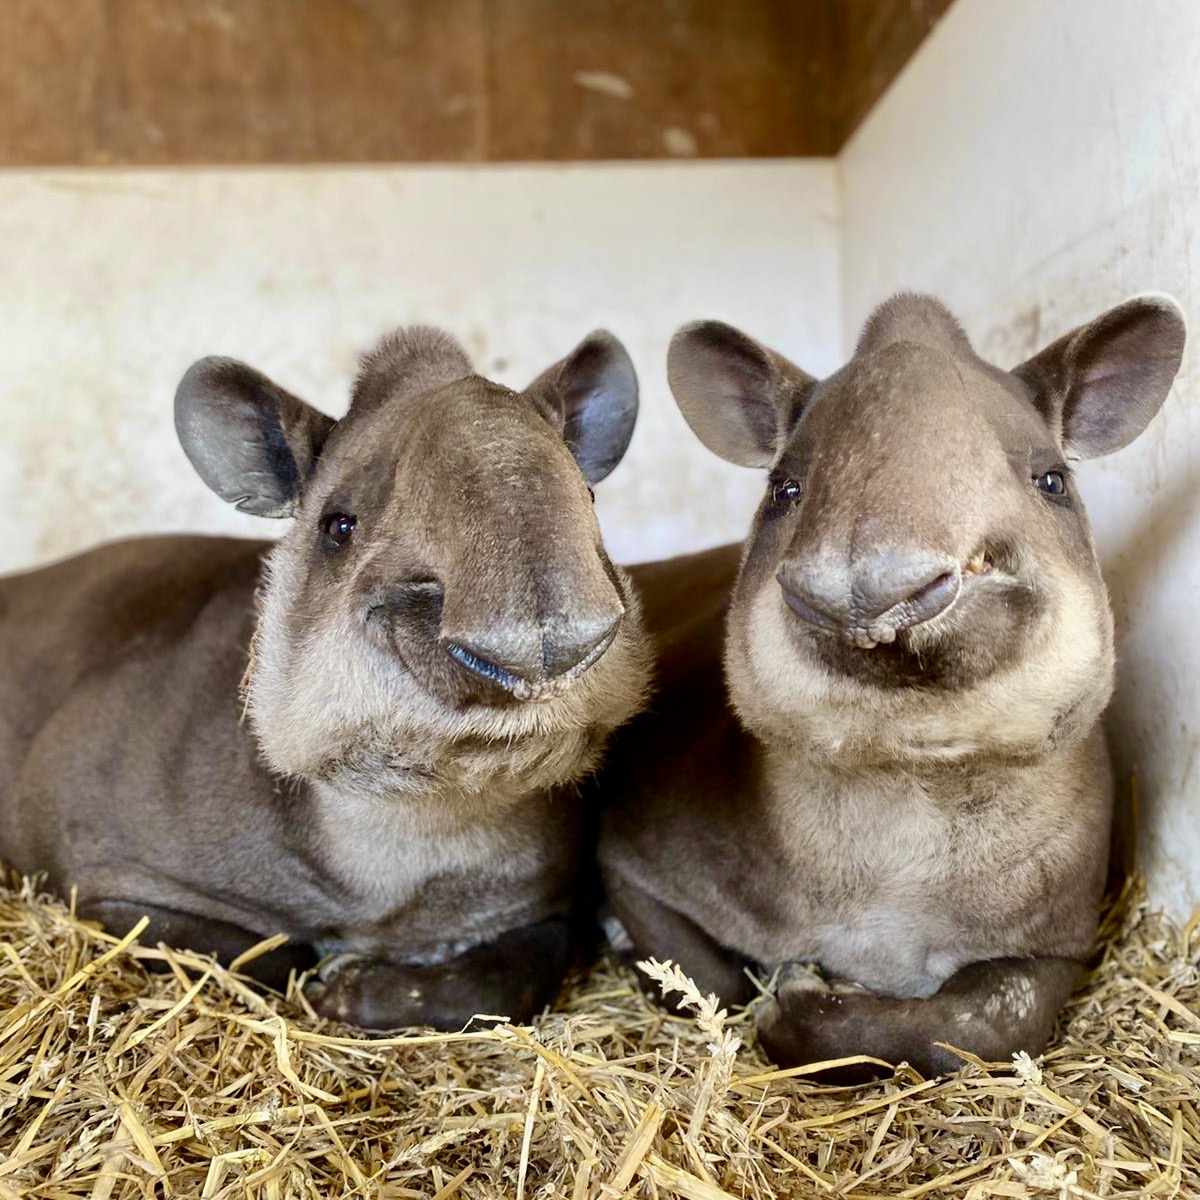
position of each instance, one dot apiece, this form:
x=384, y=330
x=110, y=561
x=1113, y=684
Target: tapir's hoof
x=382, y=997
x=809, y=1022
x=336, y=992
x=800, y=978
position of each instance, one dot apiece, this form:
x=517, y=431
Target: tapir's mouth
x=916, y=611
x=532, y=690
x=926, y=606
x=484, y=669
x=992, y=600
x=931, y=601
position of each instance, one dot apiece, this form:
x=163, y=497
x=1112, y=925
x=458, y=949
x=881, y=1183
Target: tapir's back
x=685, y=599
x=96, y=622
x=684, y=602
x=653, y=761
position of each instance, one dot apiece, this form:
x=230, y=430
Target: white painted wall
x=112, y=282
x=1034, y=164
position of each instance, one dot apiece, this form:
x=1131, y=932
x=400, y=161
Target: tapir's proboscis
x=367, y=735
x=904, y=807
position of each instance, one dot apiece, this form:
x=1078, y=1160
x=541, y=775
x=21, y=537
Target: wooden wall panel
x=239, y=81
x=147, y=82
x=638, y=79
x=49, y=67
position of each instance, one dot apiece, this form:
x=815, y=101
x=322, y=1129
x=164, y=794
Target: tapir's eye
x=338, y=527
x=1053, y=483
x=786, y=491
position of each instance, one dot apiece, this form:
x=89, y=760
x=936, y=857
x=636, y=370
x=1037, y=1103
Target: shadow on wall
x=1131, y=571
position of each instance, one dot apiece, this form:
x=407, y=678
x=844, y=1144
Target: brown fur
x=917, y=801
x=409, y=810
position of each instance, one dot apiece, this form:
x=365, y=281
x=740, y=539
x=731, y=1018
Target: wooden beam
x=875, y=39
x=157, y=82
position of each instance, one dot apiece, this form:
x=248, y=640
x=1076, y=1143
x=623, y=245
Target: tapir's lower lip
x=484, y=669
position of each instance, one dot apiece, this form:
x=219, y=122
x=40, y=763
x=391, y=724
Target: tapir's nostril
x=578, y=644
x=521, y=658
x=875, y=598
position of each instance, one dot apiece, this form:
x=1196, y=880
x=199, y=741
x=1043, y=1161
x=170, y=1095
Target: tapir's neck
x=781, y=765
x=386, y=836
x=458, y=781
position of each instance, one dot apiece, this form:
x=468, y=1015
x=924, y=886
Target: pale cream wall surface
x=113, y=282
x=1033, y=165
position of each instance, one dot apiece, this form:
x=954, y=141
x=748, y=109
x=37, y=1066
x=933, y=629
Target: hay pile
x=118, y=1084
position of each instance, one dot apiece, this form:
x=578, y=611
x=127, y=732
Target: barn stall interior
x=283, y=182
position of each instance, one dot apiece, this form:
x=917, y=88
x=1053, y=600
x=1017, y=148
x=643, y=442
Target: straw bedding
x=119, y=1083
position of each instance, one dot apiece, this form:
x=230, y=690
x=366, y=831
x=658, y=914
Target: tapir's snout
x=529, y=658
x=531, y=627
x=872, y=598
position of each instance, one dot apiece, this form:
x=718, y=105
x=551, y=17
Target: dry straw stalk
x=116, y=1083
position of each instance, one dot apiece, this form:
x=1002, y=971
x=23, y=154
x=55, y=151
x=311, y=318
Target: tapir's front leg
x=205, y=935
x=991, y=1009
x=514, y=976
x=657, y=931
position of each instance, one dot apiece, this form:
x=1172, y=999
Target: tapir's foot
x=990, y=1009
x=646, y=928
x=807, y=1022
x=370, y=993
x=509, y=979
x=383, y=996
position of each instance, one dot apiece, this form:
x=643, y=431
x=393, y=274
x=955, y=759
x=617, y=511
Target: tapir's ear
x=253, y=443
x=591, y=396
x=1100, y=385
x=737, y=395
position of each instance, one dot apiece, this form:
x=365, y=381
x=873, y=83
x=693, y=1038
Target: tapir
x=875, y=768
x=366, y=735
